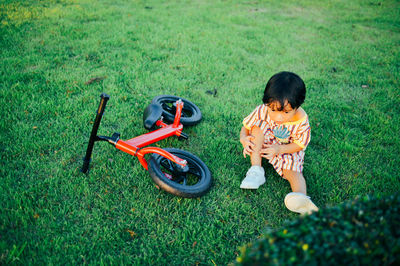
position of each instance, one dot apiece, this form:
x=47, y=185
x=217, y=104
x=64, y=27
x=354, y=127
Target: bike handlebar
x=100, y=111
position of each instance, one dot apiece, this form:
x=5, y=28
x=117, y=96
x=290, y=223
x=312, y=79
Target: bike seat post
x=93, y=135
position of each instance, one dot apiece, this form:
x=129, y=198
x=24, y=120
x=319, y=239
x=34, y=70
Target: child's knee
x=258, y=135
x=257, y=132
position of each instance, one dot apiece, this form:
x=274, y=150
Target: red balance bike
x=175, y=171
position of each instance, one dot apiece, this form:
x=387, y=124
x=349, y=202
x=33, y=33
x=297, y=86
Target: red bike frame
x=134, y=146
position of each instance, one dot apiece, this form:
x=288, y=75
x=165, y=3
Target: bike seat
x=151, y=114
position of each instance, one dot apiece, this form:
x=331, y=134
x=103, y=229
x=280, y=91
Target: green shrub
x=365, y=231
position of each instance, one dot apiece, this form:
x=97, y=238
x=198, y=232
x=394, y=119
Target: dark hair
x=285, y=86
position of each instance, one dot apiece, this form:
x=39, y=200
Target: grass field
x=218, y=54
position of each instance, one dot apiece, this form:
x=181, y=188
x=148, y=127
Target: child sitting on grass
x=278, y=130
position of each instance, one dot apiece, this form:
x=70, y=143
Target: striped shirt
x=298, y=132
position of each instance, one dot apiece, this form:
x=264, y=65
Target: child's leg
x=296, y=180
x=258, y=135
x=298, y=201
x=255, y=175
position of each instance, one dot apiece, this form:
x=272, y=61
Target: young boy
x=278, y=130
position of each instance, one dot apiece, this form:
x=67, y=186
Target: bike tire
x=198, y=178
x=191, y=114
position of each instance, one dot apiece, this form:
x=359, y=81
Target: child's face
x=283, y=116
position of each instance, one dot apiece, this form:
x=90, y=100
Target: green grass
x=347, y=52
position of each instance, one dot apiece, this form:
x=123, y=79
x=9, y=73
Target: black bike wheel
x=192, y=183
x=191, y=114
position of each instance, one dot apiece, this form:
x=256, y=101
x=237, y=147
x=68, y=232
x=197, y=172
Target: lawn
x=58, y=56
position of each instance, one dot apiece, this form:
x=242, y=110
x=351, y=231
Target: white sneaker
x=254, y=178
x=300, y=203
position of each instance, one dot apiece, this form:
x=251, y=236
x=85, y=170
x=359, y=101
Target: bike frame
x=135, y=145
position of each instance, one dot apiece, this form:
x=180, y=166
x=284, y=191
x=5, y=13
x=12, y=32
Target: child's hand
x=248, y=145
x=270, y=151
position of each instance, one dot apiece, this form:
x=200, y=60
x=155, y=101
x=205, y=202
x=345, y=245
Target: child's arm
x=270, y=151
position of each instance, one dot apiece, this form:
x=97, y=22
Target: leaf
x=132, y=233
x=95, y=79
